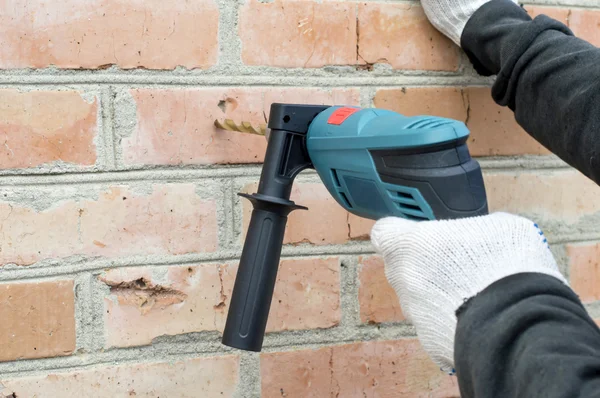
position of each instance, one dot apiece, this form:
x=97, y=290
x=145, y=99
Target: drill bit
x=243, y=127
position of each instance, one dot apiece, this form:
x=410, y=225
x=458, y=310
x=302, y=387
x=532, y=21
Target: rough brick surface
x=377, y=299
x=172, y=219
x=199, y=377
x=450, y=102
x=316, y=34
x=177, y=126
x=131, y=34
x=370, y=369
x=325, y=222
x=144, y=304
x=37, y=320
x=380, y=25
x=297, y=33
x=560, y=14
x=493, y=128
x=560, y=196
x=39, y=127
x=583, y=22
x=584, y=271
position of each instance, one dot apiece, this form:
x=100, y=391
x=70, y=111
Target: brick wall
x=120, y=225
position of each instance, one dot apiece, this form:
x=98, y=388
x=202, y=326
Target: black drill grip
x=255, y=281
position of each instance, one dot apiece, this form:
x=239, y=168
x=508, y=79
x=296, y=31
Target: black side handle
x=257, y=272
x=255, y=281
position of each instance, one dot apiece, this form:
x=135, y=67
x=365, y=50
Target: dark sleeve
x=527, y=335
x=548, y=77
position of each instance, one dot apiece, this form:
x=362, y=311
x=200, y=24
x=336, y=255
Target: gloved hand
x=436, y=266
x=451, y=16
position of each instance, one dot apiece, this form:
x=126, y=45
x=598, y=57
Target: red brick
x=325, y=222
x=399, y=34
x=78, y=34
x=450, y=102
x=583, y=22
x=172, y=219
x=144, y=304
x=493, y=128
x=177, y=126
x=40, y=127
x=584, y=270
x=370, y=369
x=196, y=377
x=563, y=196
x=37, y=320
x=560, y=14
x=360, y=228
x=307, y=295
x=377, y=298
x=298, y=33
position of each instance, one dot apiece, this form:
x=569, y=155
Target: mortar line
x=286, y=79
x=350, y=306
x=551, y=4
x=497, y=164
x=169, y=351
x=107, y=129
x=83, y=303
x=60, y=268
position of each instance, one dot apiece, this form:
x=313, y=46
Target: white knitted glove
x=451, y=16
x=435, y=266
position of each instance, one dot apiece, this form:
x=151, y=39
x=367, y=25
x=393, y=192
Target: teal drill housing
x=375, y=163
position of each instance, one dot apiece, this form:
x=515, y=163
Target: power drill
x=375, y=163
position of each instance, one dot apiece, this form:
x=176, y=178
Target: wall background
x=120, y=225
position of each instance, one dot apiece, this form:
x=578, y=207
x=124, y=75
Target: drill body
x=375, y=163
x=378, y=163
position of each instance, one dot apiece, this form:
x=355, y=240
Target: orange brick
x=37, y=320
x=560, y=14
x=177, y=126
x=493, y=128
x=144, y=304
x=40, y=127
x=377, y=298
x=399, y=34
x=307, y=295
x=172, y=219
x=584, y=271
x=196, y=377
x=75, y=34
x=585, y=24
x=564, y=196
x=360, y=228
x=370, y=369
x=450, y=102
x=298, y=33
x=325, y=222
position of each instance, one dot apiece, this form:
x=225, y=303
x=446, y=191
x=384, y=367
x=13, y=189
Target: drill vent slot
x=336, y=180
x=345, y=198
x=408, y=205
x=429, y=123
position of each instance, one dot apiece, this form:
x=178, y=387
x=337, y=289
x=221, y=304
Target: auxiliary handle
x=255, y=281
